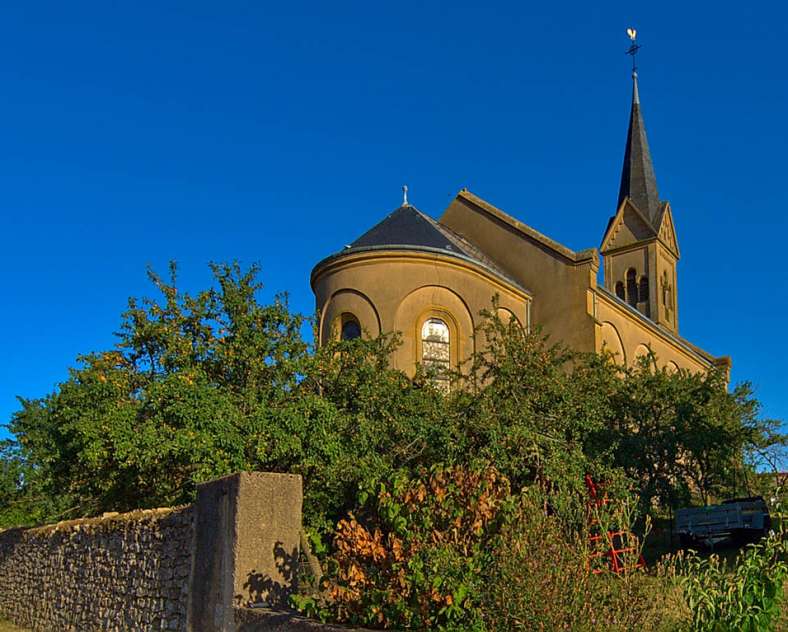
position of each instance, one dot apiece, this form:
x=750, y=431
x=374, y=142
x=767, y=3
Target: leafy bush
x=415, y=555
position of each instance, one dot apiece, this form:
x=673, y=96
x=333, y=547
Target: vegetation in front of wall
x=476, y=558
x=456, y=549
x=203, y=384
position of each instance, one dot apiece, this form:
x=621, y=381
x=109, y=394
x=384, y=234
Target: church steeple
x=640, y=246
x=638, y=182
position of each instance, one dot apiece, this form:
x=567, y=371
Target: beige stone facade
x=395, y=290
x=431, y=279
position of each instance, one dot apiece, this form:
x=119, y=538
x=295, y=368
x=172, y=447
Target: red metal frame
x=610, y=547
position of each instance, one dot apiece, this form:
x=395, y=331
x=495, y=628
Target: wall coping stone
x=137, y=515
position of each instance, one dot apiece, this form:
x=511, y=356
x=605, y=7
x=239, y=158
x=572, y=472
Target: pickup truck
x=738, y=519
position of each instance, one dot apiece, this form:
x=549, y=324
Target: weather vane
x=633, y=49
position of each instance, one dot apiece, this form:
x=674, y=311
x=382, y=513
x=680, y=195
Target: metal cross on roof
x=633, y=49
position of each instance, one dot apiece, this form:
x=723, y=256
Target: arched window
x=351, y=329
x=643, y=291
x=632, y=287
x=644, y=298
x=435, y=350
x=620, y=291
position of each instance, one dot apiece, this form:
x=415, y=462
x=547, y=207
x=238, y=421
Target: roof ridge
x=572, y=255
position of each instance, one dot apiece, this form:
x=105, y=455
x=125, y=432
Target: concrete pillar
x=247, y=529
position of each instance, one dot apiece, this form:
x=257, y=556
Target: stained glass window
x=435, y=351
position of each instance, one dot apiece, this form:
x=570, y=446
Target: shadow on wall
x=264, y=589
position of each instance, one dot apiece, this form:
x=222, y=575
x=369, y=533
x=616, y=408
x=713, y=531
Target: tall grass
x=541, y=579
x=746, y=595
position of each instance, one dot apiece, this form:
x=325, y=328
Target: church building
x=431, y=279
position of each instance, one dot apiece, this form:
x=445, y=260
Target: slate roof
x=638, y=181
x=407, y=227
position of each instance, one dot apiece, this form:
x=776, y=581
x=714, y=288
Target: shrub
x=454, y=550
x=540, y=579
x=414, y=556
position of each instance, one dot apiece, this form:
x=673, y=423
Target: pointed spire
x=638, y=181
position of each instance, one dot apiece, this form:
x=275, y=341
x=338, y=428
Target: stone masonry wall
x=119, y=572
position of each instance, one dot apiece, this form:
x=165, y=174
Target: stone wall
x=184, y=568
x=119, y=572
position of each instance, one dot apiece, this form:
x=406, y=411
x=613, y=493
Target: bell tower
x=640, y=248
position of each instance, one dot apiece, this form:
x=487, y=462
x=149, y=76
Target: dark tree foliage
x=681, y=434
x=201, y=385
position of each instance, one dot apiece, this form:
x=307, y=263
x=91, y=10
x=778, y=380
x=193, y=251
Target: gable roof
x=628, y=226
x=525, y=230
x=667, y=230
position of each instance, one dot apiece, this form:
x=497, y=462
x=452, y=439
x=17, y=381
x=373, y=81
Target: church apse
x=411, y=276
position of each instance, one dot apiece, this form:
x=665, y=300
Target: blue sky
x=137, y=133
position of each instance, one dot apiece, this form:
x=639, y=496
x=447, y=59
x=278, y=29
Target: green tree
x=201, y=385
x=530, y=406
x=180, y=399
x=683, y=434
x=207, y=383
